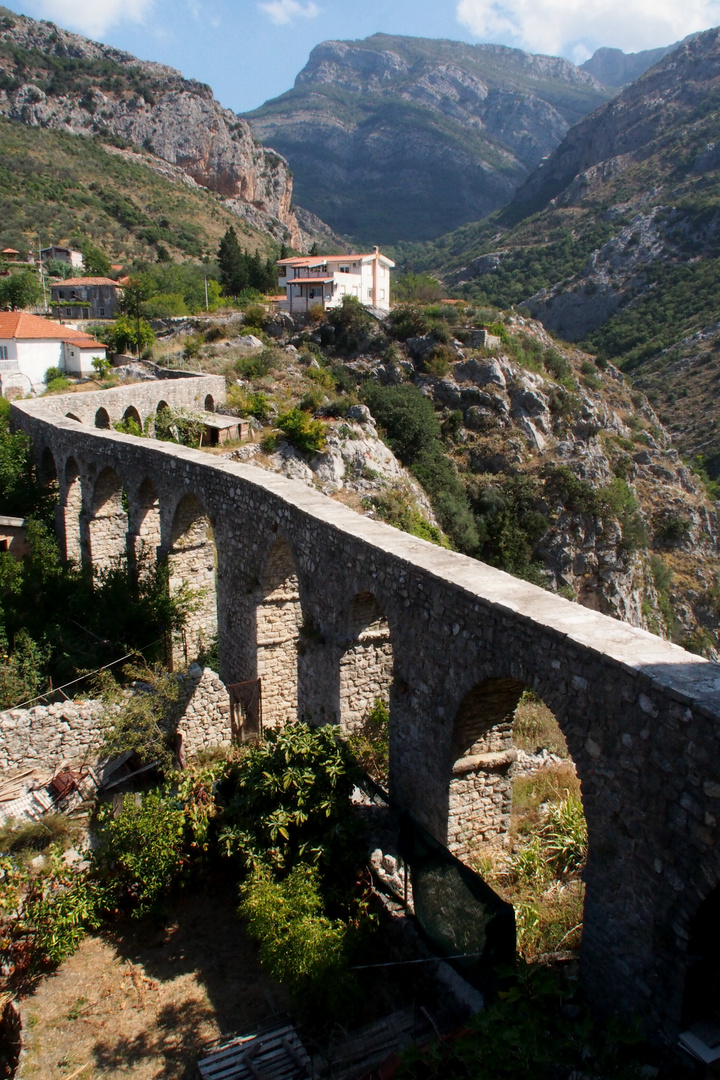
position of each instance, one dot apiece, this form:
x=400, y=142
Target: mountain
x=614, y=68
x=55, y=186
x=614, y=241
x=50, y=78
x=401, y=138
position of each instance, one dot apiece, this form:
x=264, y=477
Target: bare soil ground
x=143, y=1002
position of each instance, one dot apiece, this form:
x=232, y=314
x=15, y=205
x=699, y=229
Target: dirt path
x=143, y=1002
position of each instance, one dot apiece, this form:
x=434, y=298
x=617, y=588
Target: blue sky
x=251, y=50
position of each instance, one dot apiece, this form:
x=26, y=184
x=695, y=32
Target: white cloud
x=571, y=28
x=286, y=11
x=94, y=17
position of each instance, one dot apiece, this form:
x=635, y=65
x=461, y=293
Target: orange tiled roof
x=75, y=281
x=315, y=260
x=23, y=326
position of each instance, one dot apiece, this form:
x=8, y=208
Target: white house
x=324, y=280
x=29, y=345
x=63, y=254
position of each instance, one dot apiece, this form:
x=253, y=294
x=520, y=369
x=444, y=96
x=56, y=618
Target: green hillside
x=615, y=242
x=54, y=186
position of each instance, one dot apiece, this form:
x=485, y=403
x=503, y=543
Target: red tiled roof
x=9, y=251
x=73, y=281
x=22, y=326
x=316, y=260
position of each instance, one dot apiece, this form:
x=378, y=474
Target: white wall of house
x=78, y=361
x=367, y=280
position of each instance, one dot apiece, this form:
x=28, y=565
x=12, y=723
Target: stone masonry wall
x=365, y=677
x=278, y=627
x=48, y=736
x=641, y=716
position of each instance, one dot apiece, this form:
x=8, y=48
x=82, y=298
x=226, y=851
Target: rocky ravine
x=52, y=78
x=620, y=524
x=445, y=130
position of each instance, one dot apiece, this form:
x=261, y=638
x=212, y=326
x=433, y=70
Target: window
x=356, y=291
x=61, y=295
x=282, y=271
x=3, y=352
x=311, y=294
x=382, y=294
x=345, y=269
x=369, y=294
x=102, y=311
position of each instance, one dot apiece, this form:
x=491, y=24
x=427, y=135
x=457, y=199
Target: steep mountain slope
x=398, y=138
x=614, y=241
x=55, y=186
x=533, y=459
x=614, y=68
x=50, y=78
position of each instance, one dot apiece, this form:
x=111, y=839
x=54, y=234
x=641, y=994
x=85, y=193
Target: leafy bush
x=255, y=317
x=102, y=365
x=564, y=836
x=58, y=386
x=370, y=743
x=139, y=855
x=408, y=322
x=299, y=945
x=255, y=367
x=287, y=801
x=179, y=426
x=53, y=373
x=352, y=322
x=560, y=367
x=249, y=403
x=143, y=721
x=305, y=434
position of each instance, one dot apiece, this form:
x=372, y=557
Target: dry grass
x=143, y=1001
x=535, y=727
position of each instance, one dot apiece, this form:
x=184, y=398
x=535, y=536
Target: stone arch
x=102, y=420
x=48, y=468
x=366, y=665
x=162, y=406
x=701, y=997
x=107, y=522
x=144, y=536
x=209, y=403
x=72, y=416
x=192, y=564
x=278, y=621
x=131, y=413
x=480, y=796
x=71, y=509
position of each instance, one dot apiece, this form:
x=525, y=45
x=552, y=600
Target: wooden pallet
x=273, y=1054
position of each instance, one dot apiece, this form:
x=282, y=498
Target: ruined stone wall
x=640, y=716
x=47, y=736
x=279, y=618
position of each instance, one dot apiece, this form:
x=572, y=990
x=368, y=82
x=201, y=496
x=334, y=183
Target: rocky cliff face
x=54, y=79
x=402, y=138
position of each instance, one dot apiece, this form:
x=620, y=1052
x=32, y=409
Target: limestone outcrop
x=54, y=79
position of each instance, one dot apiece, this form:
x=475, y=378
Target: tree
x=95, y=262
x=234, y=275
x=125, y=334
x=20, y=291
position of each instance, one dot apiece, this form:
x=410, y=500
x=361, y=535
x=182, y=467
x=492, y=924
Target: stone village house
x=324, y=280
x=85, y=298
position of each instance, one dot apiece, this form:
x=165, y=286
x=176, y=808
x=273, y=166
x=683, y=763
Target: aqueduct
x=327, y=605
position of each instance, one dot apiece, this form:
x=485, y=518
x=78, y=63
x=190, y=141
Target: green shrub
x=370, y=743
x=287, y=801
x=352, y=322
x=255, y=367
x=559, y=367
x=143, y=720
x=305, y=434
x=437, y=360
x=564, y=836
x=53, y=373
x=179, y=426
x=58, y=386
x=249, y=403
x=299, y=945
x=139, y=854
x=408, y=322
x=255, y=317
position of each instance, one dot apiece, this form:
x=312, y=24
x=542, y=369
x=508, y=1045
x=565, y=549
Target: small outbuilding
x=13, y=536
x=63, y=254
x=222, y=429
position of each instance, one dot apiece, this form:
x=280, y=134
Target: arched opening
x=131, y=415
x=144, y=537
x=192, y=566
x=107, y=523
x=71, y=510
x=515, y=811
x=162, y=407
x=48, y=468
x=72, y=416
x=701, y=1002
x=209, y=403
x=365, y=676
x=278, y=622
x=162, y=420
x=102, y=420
